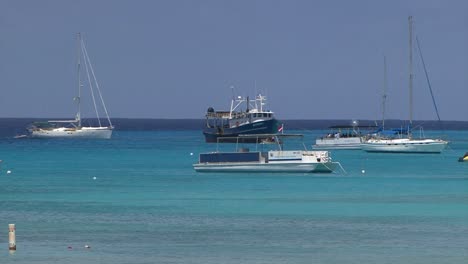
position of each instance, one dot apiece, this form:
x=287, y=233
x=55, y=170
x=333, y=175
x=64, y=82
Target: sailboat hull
x=83, y=132
x=405, y=145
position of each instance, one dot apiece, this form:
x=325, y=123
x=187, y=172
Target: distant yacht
x=344, y=136
x=253, y=119
x=74, y=128
x=406, y=144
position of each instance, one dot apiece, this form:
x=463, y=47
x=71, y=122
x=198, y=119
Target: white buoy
x=87, y=246
x=12, y=237
x=94, y=178
x=191, y=153
x=363, y=171
x=8, y=171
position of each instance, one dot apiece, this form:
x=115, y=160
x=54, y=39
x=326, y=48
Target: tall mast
x=410, y=22
x=384, y=95
x=232, y=101
x=78, y=115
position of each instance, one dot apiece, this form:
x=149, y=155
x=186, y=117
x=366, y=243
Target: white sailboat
x=74, y=128
x=407, y=144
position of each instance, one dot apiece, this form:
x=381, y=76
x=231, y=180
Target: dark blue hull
x=262, y=127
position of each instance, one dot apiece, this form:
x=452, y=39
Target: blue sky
x=175, y=58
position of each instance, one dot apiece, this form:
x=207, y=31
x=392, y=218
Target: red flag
x=280, y=129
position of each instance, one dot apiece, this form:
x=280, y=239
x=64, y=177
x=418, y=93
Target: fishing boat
x=271, y=157
x=406, y=144
x=75, y=128
x=245, y=117
x=344, y=136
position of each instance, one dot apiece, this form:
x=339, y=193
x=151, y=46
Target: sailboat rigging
x=427, y=79
x=74, y=128
x=408, y=144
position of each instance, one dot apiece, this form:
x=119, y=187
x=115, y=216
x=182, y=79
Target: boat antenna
x=78, y=98
x=232, y=101
x=410, y=24
x=248, y=105
x=232, y=92
x=255, y=88
x=427, y=78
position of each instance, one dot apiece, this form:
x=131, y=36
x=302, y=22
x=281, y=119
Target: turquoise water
x=147, y=205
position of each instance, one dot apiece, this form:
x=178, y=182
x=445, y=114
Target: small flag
x=280, y=129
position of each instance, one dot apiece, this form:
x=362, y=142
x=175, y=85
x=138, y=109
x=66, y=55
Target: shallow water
x=147, y=205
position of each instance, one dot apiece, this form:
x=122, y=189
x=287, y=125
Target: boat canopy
x=351, y=126
x=62, y=121
x=258, y=138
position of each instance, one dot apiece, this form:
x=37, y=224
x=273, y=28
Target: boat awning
x=62, y=121
x=269, y=135
x=257, y=137
x=349, y=126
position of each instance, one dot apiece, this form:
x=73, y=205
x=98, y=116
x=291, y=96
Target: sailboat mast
x=384, y=95
x=410, y=22
x=78, y=115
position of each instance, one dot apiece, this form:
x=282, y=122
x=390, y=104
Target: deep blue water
x=147, y=205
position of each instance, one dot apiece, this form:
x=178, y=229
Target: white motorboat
x=74, y=128
x=280, y=160
x=406, y=144
x=344, y=137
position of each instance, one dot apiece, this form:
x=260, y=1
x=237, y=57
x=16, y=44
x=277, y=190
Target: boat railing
x=259, y=139
x=217, y=114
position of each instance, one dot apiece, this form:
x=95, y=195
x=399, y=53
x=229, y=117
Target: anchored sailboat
x=407, y=144
x=74, y=128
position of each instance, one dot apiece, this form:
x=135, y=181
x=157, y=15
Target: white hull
x=83, y=132
x=405, y=145
x=267, y=167
x=338, y=143
x=271, y=161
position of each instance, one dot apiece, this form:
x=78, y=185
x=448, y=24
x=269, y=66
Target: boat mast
x=384, y=95
x=78, y=114
x=232, y=102
x=410, y=22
